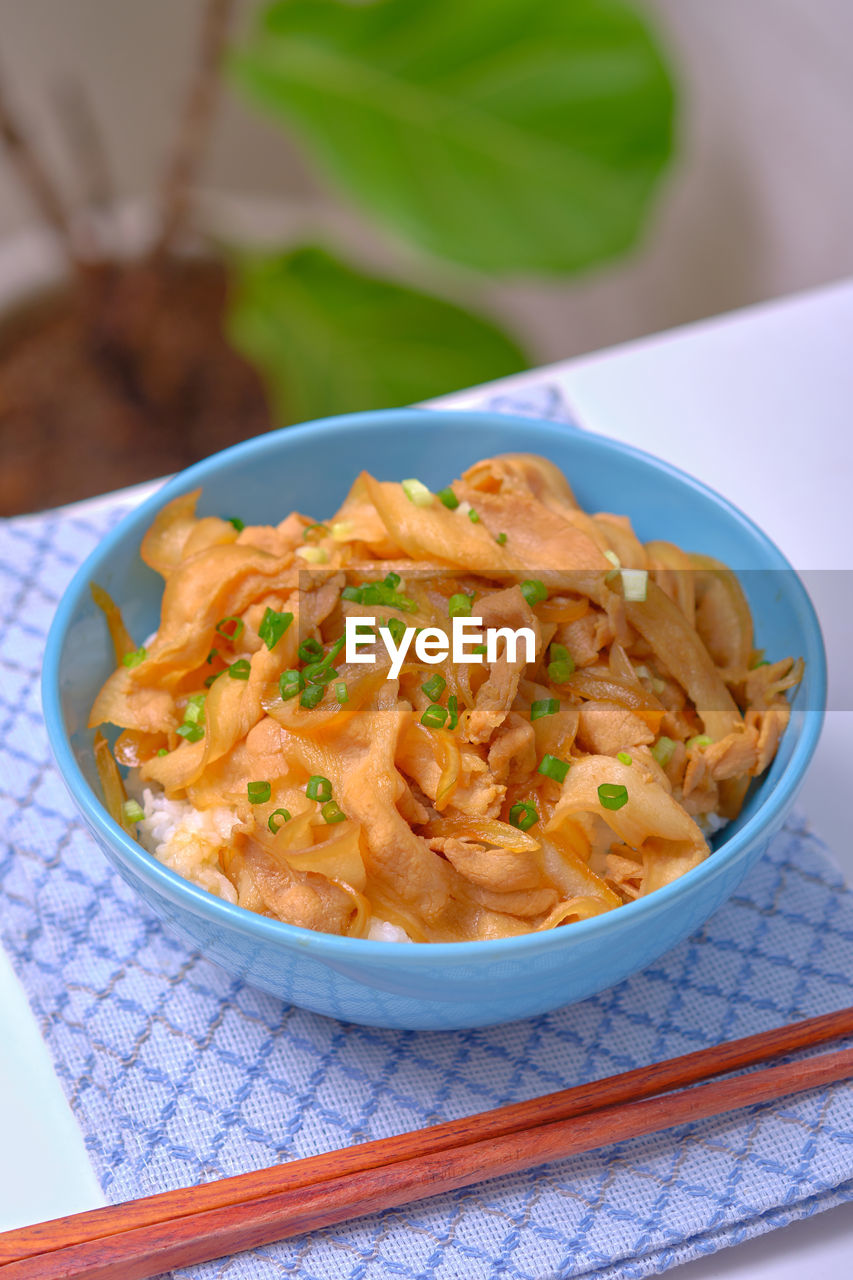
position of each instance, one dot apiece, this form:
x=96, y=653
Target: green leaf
x=331, y=340
x=508, y=135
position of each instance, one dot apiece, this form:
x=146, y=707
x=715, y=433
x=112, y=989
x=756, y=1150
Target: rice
x=710, y=823
x=189, y=840
x=382, y=931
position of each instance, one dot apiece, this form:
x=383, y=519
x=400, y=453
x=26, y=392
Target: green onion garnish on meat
x=319, y=788
x=434, y=687
x=434, y=716
x=332, y=813
x=554, y=767
x=277, y=819
x=612, y=795
x=534, y=591
x=273, y=626
x=523, y=816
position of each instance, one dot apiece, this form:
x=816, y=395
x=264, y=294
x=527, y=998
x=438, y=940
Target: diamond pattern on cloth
x=178, y=1073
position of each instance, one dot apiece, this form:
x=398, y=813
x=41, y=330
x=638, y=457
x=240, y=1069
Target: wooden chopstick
x=147, y=1251
x=194, y=1224
x=641, y=1082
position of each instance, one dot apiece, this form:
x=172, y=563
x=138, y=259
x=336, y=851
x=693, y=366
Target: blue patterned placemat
x=177, y=1073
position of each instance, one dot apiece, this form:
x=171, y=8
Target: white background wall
x=760, y=203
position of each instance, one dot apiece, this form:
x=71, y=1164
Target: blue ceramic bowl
x=447, y=985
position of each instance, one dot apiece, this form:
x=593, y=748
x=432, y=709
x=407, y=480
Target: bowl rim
x=333, y=947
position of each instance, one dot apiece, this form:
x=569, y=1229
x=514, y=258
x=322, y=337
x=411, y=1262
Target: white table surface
x=759, y=405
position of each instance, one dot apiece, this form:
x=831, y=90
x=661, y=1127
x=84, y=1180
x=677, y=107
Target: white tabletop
x=758, y=405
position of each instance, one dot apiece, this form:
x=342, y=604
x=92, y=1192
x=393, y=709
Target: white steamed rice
x=710, y=823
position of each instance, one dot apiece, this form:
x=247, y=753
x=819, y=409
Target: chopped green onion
x=336, y=648
x=273, y=626
x=133, y=811
x=544, y=707
x=562, y=664
x=434, y=687
x=700, y=740
x=613, y=558
x=319, y=672
x=635, y=583
x=612, y=795
x=473, y=516
x=554, y=767
x=214, y=653
x=459, y=605
x=387, y=595
x=434, y=716
x=342, y=530
x=501, y=539
x=662, y=751
x=534, y=591
x=192, y=732
x=194, y=710
x=417, y=493
x=380, y=593
x=342, y=692
x=313, y=555
x=290, y=683
x=623, y=757
x=164, y=751
x=332, y=813
x=310, y=650
x=311, y=696
x=136, y=656
x=396, y=627
x=258, y=792
x=240, y=670
x=312, y=528
x=753, y=666
x=448, y=497
x=478, y=648
x=228, y=631
x=319, y=788
x=210, y=679
x=453, y=709
x=277, y=819
x=523, y=816
x=238, y=524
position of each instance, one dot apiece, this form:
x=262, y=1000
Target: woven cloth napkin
x=178, y=1073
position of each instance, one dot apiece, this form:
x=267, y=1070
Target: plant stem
x=33, y=174
x=194, y=124
x=85, y=143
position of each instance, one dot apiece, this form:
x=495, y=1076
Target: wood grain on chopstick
x=177, y=1228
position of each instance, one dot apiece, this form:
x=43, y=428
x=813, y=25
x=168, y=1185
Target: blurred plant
x=504, y=136
x=480, y=140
